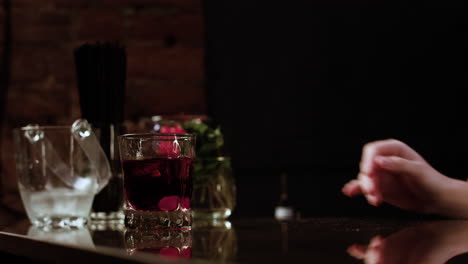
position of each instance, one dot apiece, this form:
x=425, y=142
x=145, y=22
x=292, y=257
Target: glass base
x=107, y=216
x=211, y=214
x=59, y=222
x=179, y=219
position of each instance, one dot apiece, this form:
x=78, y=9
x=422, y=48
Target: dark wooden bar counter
x=249, y=240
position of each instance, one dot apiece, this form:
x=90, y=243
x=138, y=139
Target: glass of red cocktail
x=157, y=171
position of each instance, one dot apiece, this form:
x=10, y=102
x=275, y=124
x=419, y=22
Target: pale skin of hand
x=392, y=172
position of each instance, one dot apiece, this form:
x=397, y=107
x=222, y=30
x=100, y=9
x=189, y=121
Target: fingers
x=357, y=251
x=399, y=165
x=352, y=188
x=389, y=147
x=369, y=189
x=376, y=242
x=391, y=155
x=371, y=253
x=363, y=186
x=374, y=251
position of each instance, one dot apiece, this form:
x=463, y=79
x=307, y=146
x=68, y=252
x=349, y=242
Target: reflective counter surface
x=246, y=240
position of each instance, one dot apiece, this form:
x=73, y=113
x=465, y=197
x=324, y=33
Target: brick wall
x=164, y=40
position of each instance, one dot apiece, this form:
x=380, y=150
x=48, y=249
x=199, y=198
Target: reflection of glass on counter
x=214, y=240
x=168, y=244
x=108, y=233
x=80, y=237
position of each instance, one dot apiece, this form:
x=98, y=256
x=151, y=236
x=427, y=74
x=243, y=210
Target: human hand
x=428, y=243
x=392, y=172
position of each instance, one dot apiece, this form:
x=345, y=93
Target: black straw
x=101, y=74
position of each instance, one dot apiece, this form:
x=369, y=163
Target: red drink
x=158, y=184
x=157, y=172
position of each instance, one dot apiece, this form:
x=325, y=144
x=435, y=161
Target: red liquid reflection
x=168, y=253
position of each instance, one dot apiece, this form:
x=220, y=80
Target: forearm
x=453, y=199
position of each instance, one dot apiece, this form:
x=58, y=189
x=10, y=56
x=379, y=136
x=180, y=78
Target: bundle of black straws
x=101, y=75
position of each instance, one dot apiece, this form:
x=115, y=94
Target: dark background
x=301, y=88
x=297, y=88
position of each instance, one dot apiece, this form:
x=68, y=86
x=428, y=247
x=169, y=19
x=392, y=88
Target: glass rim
x=50, y=128
x=163, y=136
x=46, y=127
